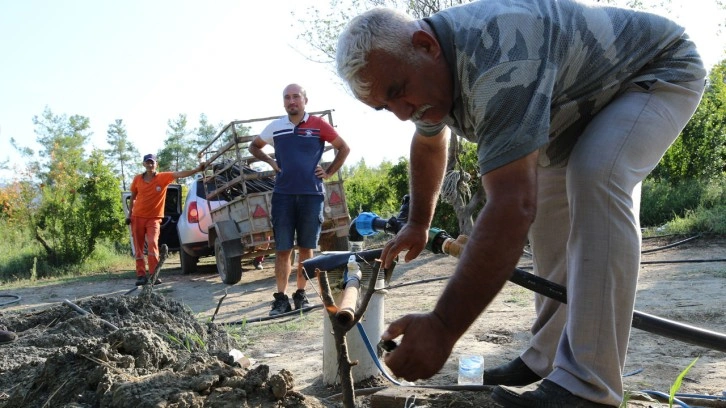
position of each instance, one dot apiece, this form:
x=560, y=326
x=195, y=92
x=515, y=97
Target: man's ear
x=425, y=40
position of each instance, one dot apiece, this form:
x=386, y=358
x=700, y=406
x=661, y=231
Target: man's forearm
x=495, y=245
x=131, y=203
x=428, y=163
x=187, y=173
x=490, y=256
x=338, y=161
x=261, y=155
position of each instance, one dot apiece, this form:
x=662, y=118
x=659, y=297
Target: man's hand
x=321, y=173
x=425, y=347
x=411, y=238
x=128, y=220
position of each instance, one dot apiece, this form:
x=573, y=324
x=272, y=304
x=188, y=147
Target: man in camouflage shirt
x=571, y=106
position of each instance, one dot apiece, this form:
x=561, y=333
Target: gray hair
x=382, y=29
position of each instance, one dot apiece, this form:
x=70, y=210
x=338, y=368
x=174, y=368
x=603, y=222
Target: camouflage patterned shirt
x=530, y=74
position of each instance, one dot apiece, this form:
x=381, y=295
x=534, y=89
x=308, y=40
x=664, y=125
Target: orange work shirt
x=150, y=196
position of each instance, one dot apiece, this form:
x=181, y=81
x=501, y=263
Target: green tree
x=398, y=178
x=369, y=190
x=462, y=196
x=102, y=201
x=79, y=197
x=699, y=153
x=123, y=154
x=205, y=132
x=179, y=153
x=19, y=200
x=17, y=204
x=62, y=139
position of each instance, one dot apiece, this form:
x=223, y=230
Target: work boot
x=7, y=336
x=280, y=305
x=141, y=280
x=300, y=300
x=157, y=281
x=547, y=395
x=514, y=372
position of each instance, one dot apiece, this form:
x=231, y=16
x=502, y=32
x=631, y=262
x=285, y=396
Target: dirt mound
x=167, y=354
x=140, y=351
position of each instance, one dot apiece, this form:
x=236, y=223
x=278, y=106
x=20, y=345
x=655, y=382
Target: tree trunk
x=462, y=209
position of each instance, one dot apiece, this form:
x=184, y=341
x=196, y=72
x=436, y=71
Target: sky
x=146, y=62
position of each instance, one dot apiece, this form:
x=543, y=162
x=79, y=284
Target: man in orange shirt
x=146, y=209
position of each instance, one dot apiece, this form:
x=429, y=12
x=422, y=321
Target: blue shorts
x=296, y=214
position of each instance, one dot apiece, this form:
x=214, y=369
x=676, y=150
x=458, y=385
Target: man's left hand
x=411, y=238
x=424, y=348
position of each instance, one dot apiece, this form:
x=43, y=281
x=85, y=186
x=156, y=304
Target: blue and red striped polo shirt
x=298, y=150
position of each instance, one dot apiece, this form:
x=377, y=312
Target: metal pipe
x=84, y=313
x=349, y=297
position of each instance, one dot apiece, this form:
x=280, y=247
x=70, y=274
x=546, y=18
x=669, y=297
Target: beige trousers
x=587, y=236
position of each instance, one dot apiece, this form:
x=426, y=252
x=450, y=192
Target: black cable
x=266, y=318
x=671, y=245
x=661, y=236
x=683, y=261
x=400, y=285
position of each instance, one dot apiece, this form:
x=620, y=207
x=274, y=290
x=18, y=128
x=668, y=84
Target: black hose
x=643, y=321
x=17, y=299
x=679, y=331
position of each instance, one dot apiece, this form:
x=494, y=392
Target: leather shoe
x=547, y=395
x=514, y=372
x=7, y=336
x=156, y=281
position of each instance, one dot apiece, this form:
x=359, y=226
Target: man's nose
x=402, y=110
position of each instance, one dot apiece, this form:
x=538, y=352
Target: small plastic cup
x=471, y=370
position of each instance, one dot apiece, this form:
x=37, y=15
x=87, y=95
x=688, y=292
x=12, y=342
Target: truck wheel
x=188, y=262
x=230, y=269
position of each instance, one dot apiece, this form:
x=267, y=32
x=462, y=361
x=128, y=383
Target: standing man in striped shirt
x=297, y=200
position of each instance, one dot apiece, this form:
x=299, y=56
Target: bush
x=663, y=202
x=107, y=256
x=22, y=258
x=712, y=220
x=20, y=254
